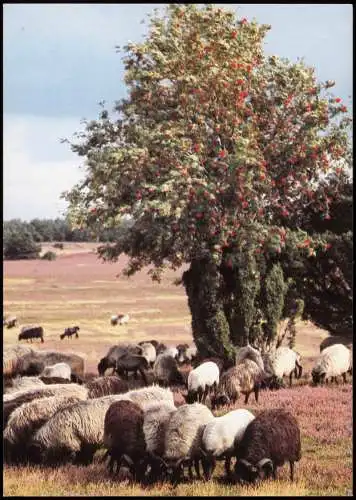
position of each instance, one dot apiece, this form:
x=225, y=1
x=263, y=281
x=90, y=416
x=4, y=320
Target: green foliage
x=49, y=255
x=19, y=243
x=214, y=155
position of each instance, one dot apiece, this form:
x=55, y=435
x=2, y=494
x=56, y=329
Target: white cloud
x=37, y=168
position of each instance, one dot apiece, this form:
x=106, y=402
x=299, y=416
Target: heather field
x=79, y=289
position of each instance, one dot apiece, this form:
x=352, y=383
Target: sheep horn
x=264, y=461
x=245, y=463
x=128, y=460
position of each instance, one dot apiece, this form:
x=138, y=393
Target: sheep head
x=245, y=472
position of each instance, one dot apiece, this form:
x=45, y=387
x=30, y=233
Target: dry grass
x=79, y=289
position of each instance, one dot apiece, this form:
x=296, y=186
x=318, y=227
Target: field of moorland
x=78, y=289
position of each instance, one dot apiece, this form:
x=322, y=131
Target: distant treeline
x=58, y=229
x=22, y=240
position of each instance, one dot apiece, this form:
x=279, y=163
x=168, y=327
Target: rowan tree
x=214, y=155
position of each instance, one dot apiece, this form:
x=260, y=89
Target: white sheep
x=26, y=419
x=202, y=380
x=333, y=361
x=77, y=432
x=183, y=438
x=285, y=362
x=123, y=319
x=149, y=352
x=220, y=437
x=171, y=351
x=23, y=383
x=60, y=370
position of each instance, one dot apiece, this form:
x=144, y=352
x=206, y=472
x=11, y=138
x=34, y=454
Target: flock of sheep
x=54, y=414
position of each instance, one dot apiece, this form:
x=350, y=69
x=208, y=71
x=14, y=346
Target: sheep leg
x=205, y=393
x=344, y=377
x=275, y=472
x=247, y=395
x=190, y=470
x=255, y=390
x=228, y=465
x=196, y=467
x=208, y=464
x=290, y=378
x=291, y=464
x=141, y=370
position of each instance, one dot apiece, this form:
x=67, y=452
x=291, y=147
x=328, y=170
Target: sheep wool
x=184, y=431
x=155, y=424
x=23, y=384
x=333, y=361
x=60, y=370
x=221, y=434
x=205, y=375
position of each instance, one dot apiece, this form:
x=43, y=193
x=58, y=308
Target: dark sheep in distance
x=269, y=441
x=69, y=332
x=31, y=332
x=132, y=363
x=124, y=437
x=114, y=353
x=104, y=386
x=10, y=322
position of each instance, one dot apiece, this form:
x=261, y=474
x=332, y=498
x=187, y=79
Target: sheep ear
x=245, y=463
x=127, y=460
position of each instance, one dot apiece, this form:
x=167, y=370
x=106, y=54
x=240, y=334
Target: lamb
x=284, y=362
x=76, y=433
x=149, y=352
x=26, y=419
x=333, y=361
x=221, y=437
x=270, y=440
x=183, y=438
x=13, y=401
x=114, y=353
x=201, y=381
x=31, y=332
x=244, y=378
x=23, y=383
x=124, y=437
x=104, y=386
x=61, y=370
x=165, y=370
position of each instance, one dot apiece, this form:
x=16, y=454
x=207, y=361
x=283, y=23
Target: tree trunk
x=211, y=331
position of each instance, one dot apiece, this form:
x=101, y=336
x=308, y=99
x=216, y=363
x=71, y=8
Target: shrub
x=49, y=255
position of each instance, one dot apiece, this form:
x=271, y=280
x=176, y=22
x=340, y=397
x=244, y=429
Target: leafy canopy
x=216, y=148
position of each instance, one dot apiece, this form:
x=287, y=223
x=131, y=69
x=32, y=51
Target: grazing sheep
x=61, y=370
x=270, y=440
x=114, y=353
x=31, y=332
x=201, y=381
x=76, y=433
x=165, y=370
x=33, y=363
x=221, y=437
x=26, y=419
x=120, y=319
x=13, y=401
x=57, y=380
x=155, y=424
x=104, y=386
x=183, y=438
x=332, y=340
x=10, y=322
x=11, y=356
x=333, y=361
x=69, y=332
x=23, y=383
x=244, y=378
x=132, y=363
x=124, y=437
x=249, y=352
x=149, y=352
x=284, y=362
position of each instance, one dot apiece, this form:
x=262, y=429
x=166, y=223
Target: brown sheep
x=103, y=386
x=124, y=437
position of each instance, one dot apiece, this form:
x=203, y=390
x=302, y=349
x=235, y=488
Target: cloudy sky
x=60, y=61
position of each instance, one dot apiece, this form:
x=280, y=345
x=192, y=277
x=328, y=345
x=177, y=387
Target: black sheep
x=269, y=441
x=68, y=332
x=31, y=332
x=124, y=437
x=103, y=386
